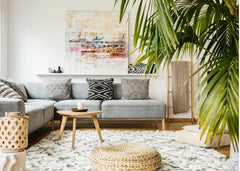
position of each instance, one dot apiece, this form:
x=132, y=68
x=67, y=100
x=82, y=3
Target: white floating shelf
x=95, y=75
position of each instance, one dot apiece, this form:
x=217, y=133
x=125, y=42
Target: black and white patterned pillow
x=140, y=69
x=137, y=69
x=100, y=89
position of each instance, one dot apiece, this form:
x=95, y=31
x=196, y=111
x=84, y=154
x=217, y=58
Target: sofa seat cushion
x=69, y=104
x=35, y=115
x=39, y=112
x=40, y=102
x=133, y=109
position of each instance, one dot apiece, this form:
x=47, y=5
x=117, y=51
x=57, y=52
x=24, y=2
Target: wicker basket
x=13, y=132
x=125, y=157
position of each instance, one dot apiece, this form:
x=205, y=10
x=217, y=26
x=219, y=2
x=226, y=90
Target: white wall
x=37, y=33
x=4, y=38
x=37, y=38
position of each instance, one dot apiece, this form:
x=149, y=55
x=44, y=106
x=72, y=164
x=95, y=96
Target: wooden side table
x=68, y=113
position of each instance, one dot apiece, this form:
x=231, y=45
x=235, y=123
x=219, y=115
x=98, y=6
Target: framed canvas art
x=96, y=43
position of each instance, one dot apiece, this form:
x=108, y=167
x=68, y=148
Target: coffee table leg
x=64, y=120
x=95, y=121
x=74, y=132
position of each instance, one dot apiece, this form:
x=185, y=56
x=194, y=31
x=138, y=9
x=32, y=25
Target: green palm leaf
x=165, y=30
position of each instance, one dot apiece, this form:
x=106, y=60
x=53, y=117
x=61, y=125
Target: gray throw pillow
x=14, y=86
x=57, y=89
x=134, y=89
x=8, y=92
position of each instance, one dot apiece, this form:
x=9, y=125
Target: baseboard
x=130, y=121
x=182, y=119
x=112, y=121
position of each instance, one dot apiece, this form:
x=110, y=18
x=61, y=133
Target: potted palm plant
x=207, y=29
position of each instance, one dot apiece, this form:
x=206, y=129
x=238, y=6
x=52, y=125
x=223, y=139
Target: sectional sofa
x=41, y=111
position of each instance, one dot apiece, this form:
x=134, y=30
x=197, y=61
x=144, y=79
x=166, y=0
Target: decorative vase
x=13, y=132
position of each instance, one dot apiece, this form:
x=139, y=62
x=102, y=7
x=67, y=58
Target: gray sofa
x=41, y=111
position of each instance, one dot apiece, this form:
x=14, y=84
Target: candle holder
x=13, y=132
x=80, y=105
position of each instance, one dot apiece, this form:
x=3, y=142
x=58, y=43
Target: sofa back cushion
x=22, y=88
x=79, y=90
x=117, y=91
x=35, y=90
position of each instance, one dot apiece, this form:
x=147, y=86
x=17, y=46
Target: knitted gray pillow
x=134, y=89
x=57, y=89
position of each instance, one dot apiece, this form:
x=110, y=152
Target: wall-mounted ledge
x=98, y=75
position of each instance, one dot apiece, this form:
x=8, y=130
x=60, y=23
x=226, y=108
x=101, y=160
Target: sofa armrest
x=11, y=105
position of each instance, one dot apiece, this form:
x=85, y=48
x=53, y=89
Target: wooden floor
x=36, y=136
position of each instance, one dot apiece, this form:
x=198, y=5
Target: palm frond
x=218, y=102
x=167, y=29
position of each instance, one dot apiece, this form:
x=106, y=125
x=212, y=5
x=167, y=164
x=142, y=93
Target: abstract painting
x=96, y=43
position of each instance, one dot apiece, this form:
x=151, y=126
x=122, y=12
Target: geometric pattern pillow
x=14, y=86
x=57, y=89
x=101, y=89
x=137, y=69
x=8, y=92
x=135, y=89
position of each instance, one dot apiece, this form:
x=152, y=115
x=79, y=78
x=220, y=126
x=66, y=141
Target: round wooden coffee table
x=68, y=113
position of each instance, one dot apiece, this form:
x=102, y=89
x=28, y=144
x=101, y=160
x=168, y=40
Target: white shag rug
x=53, y=154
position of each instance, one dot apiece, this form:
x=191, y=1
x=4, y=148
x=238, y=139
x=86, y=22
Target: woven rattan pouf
x=125, y=157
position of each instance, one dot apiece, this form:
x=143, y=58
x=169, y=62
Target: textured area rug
x=53, y=154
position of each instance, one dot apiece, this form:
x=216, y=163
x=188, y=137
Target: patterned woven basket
x=13, y=132
x=125, y=157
